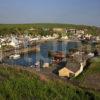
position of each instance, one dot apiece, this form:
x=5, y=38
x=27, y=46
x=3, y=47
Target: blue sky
x=50, y=11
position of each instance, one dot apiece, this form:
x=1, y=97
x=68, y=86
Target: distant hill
x=13, y=28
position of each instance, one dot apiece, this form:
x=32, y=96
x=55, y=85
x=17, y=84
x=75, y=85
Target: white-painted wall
x=81, y=68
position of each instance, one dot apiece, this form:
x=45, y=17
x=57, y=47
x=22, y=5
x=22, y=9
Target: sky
x=50, y=11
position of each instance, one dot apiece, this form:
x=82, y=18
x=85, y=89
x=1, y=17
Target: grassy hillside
x=90, y=78
x=22, y=84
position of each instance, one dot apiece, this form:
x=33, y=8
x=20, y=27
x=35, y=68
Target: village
x=68, y=65
x=49, y=49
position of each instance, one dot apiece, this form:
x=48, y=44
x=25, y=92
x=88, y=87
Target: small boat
x=37, y=64
x=15, y=56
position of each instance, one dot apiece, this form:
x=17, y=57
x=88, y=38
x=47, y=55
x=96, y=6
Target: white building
x=97, y=38
x=80, y=32
x=14, y=42
x=64, y=37
x=58, y=29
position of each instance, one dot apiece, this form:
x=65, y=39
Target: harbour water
x=30, y=58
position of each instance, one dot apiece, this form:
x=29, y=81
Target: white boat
x=15, y=56
x=90, y=55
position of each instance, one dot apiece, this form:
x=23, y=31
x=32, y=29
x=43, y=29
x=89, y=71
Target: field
x=23, y=84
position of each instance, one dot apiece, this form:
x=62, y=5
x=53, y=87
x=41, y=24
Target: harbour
x=31, y=55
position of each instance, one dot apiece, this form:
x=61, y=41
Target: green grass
x=19, y=84
x=90, y=77
x=93, y=68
